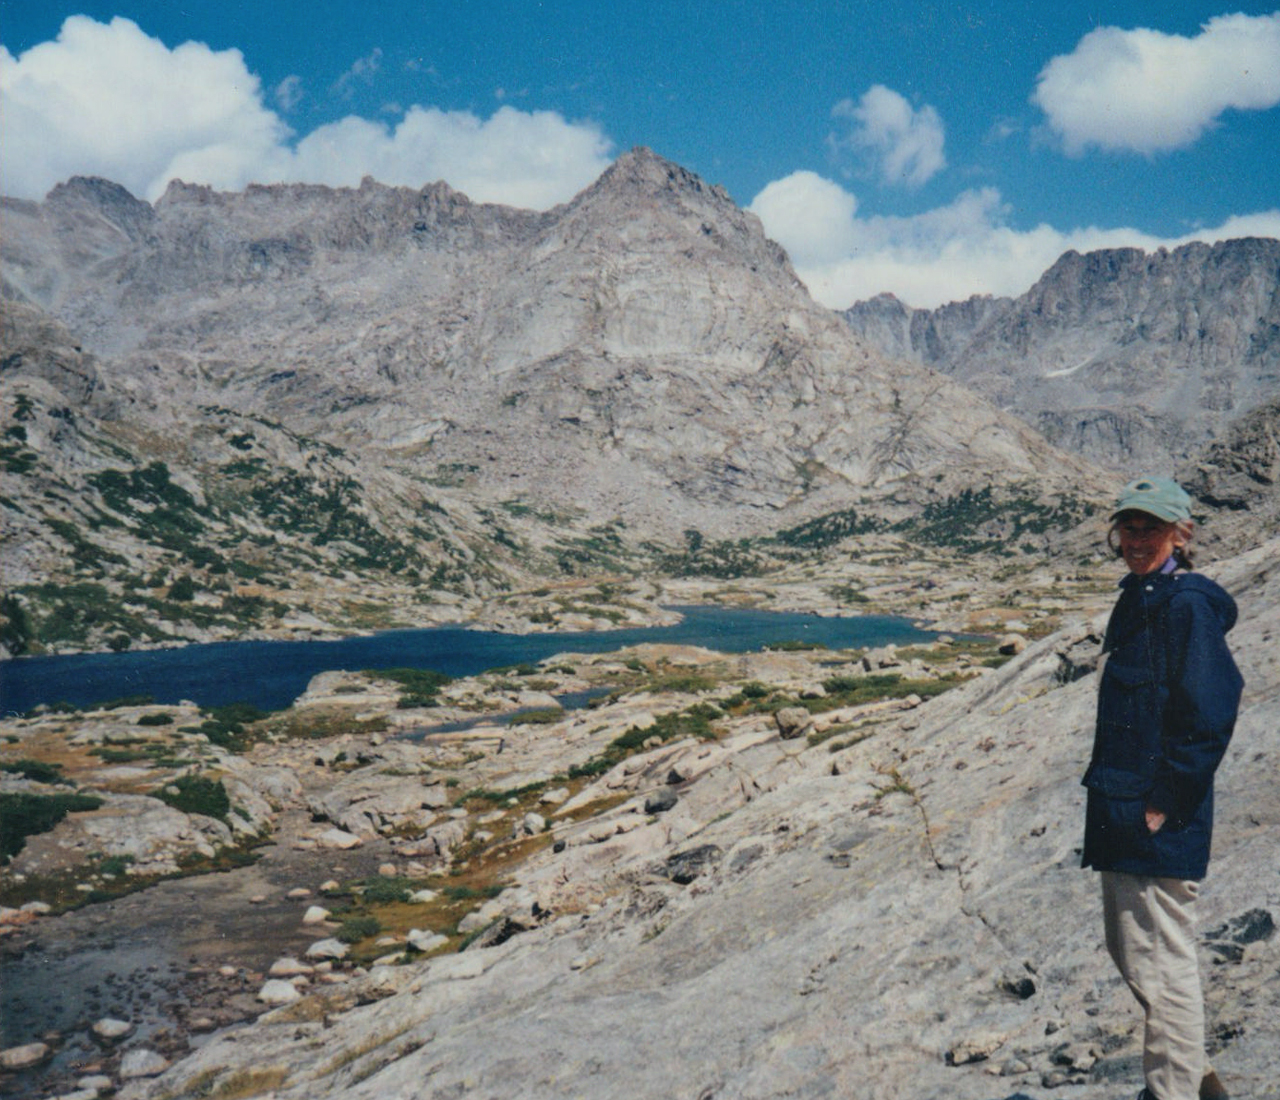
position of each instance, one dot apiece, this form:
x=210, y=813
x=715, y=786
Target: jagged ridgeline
x=299, y=409
x=1136, y=360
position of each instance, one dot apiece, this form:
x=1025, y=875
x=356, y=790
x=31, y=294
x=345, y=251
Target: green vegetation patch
x=197, y=794
x=35, y=770
x=694, y=721
x=355, y=929
x=225, y=725
x=979, y=521
x=23, y=815
x=57, y=613
x=421, y=685
x=824, y=531
x=724, y=558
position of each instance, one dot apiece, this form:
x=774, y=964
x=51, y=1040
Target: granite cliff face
x=1135, y=360
x=472, y=395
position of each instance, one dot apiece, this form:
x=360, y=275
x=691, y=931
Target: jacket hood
x=1218, y=597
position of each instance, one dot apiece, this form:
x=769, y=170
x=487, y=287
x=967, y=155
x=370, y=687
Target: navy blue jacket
x=1167, y=706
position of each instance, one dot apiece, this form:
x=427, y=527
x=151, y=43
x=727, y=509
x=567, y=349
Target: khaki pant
x=1151, y=937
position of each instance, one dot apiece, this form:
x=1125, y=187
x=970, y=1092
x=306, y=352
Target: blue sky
x=929, y=149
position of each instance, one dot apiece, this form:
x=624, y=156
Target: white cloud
x=1148, y=92
x=533, y=160
x=362, y=71
x=109, y=100
x=905, y=144
x=943, y=255
x=106, y=99
x=288, y=93
x=815, y=216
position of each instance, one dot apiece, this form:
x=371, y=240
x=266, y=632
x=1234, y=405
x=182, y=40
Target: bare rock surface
x=904, y=913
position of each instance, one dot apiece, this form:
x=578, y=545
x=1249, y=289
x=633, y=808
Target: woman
x=1166, y=708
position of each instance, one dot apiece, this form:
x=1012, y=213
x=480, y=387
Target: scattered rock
x=977, y=1048
x=278, y=992
x=111, y=1030
x=661, y=801
x=1227, y=942
x=328, y=949
x=1011, y=645
x=289, y=967
x=684, y=867
x=142, y=1062
x=425, y=941
x=25, y=1056
x=793, y=721
x=338, y=839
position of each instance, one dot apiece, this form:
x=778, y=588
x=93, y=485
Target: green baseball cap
x=1157, y=496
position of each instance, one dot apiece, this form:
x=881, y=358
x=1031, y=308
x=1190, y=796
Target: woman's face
x=1146, y=542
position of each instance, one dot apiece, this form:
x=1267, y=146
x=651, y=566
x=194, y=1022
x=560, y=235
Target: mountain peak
x=641, y=168
x=102, y=197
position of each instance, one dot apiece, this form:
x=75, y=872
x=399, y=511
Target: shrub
x=23, y=815
x=386, y=891
x=156, y=720
x=115, y=865
x=355, y=929
x=35, y=770
x=197, y=794
x=127, y=701
x=225, y=725
x=421, y=685
x=183, y=590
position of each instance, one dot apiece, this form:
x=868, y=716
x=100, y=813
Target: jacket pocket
x=1115, y=818
x=1120, y=784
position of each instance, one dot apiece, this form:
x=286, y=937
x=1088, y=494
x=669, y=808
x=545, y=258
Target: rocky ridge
x=1129, y=358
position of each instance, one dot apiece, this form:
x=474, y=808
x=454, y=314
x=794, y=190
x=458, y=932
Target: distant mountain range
x=1134, y=360
x=309, y=408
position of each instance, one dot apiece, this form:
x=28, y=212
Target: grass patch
x=544, y=717
x=226, y=726
x=382, y=890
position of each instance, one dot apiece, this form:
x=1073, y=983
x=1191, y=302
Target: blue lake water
x=272, y=674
